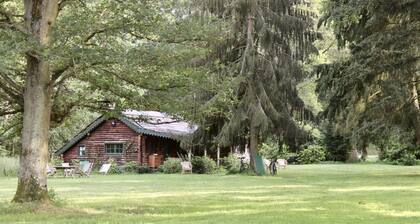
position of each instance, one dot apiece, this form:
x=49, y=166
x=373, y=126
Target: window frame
x=115, y=144
x=78, y=150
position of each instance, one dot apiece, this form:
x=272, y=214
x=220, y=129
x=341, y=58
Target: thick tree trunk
x=32, y=183
x=364, y=146
x=253, y=147
x=364, y=153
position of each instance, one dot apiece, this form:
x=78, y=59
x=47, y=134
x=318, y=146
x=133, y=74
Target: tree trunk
x=32, y=181
x=253, y=146
x=364, y=146
x=364, y=153
x=416, y=105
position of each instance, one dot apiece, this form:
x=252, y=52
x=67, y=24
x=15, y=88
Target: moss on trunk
x=30, y=190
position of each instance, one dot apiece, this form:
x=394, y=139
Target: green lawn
x=300, y=194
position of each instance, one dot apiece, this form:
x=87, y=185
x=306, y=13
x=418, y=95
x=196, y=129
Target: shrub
x=134, y=167
x=143, y=169
x=114, y=169
x=203, y=164
x=9, y=166
x=172, y=165
x=271, y=150
x=399, y=156
x=398, y=150
x=311, y=154
x=231, y=164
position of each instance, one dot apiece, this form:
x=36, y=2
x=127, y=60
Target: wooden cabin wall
x=106, y=132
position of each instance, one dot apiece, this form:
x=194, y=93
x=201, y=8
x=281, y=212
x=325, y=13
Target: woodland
x=330, y=77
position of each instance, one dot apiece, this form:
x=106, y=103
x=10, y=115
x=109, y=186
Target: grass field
x=353, y=194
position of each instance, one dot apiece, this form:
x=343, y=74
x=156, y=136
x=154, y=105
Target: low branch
x=7, y=22
x=9, y=112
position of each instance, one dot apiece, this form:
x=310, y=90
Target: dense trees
x=232, y=66
x=373, y=94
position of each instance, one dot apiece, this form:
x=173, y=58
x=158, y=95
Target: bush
x=114, y=169
x=203, y=165
x=398, y=150
x=231, y=164
x=311, y=154
x=9, y=166
x=407, y=159
x=134, y=167
x=272, y=150
x=399, y=156
x=171, y=165
x=143, y=169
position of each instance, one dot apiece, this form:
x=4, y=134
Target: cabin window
x=114, y=148
x=81, y=151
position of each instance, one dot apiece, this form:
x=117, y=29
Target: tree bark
x=364, y=146
x=32, y=182
x=253, y=146
x=415, y=97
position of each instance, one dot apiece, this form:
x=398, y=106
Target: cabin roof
x=143, y=122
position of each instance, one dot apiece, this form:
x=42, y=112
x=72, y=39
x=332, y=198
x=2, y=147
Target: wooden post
x=205, y=152
x=218, y=155
x=139, y=140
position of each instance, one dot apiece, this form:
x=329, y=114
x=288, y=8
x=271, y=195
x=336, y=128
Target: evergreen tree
x=263, y=49
x=375, y=90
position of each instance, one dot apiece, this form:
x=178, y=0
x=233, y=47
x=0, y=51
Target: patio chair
x=50, y=170
x=85, y=169
x=105, y=168
x=282, y=163
x=186, y=166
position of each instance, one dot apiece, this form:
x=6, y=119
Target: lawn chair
x=51, y=170
x=105, y=168
x=282, y=163
x=186, y=167
x=85, y=169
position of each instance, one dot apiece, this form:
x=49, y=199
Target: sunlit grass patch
x=376, y=188
x=384, y=209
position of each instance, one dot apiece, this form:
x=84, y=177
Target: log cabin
x=146, y=137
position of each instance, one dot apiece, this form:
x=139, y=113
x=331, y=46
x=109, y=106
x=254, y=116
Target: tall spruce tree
x=263, y=49
x=375, y=90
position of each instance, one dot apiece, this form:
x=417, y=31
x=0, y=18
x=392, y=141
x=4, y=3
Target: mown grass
x=333, y=193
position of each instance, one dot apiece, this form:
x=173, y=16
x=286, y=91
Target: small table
x=67, y=170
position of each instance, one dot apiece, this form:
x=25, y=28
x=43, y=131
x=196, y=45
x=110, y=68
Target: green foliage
x=134, y=167
x=55, y=161
x=311, y=154
x=271, y=150
x=101, y=52
x=231, y=164
x=114, y=169
x=395, y=150
x=337, y=146
x=369, y=92
x=171, y=165
x=203, y=164
x=9, y=166
x=255, y=66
